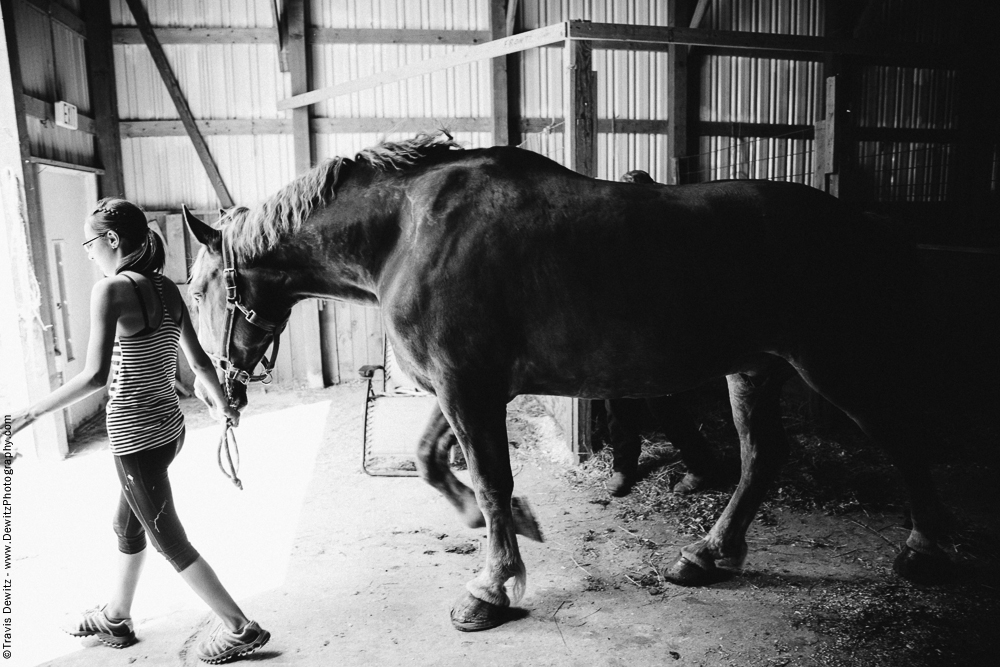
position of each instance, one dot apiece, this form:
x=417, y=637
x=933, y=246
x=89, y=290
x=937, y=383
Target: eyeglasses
x=87, y=243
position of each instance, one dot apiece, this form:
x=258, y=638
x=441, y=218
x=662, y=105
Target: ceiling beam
x=177, y=95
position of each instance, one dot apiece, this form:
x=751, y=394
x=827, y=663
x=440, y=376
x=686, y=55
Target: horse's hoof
x=688, y=573
x=620, y=484
x=524, y=520
x=470, y=614
x=923, y=568
x=691, y=483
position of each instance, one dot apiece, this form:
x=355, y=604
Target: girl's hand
x=223, y=413
x=231, y=415
x=19, y=421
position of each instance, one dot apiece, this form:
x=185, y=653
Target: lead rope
x=228, y=447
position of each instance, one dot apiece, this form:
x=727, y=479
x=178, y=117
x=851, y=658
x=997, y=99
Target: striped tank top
x=144, y=411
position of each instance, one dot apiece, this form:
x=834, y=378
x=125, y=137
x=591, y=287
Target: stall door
x=67, y=197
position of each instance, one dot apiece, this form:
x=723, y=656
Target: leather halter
x=233, y=304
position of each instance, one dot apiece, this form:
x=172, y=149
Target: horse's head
x=234, y=331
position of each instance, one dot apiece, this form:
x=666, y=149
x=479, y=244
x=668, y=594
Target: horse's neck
x=338, y=255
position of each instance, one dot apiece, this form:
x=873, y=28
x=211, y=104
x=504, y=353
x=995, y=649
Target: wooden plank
x=317, y=35
x=176, y=266
x=580, y=98
x=501, y=47
x=328, y=342
x=46, y=111
x=720, y=129
x=104, y=98
x=373, y=337
x=66, y=165
x=175, y=128
x=586, y=30
x=345, y=351
x=19, y=183
x=192, y=35
x=269, y=126
x=183, y=110
x=498, y=80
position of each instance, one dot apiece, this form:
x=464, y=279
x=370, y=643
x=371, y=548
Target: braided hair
x=128, y=221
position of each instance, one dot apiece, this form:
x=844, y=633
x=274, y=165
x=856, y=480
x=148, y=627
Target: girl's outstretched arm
x=105, y=308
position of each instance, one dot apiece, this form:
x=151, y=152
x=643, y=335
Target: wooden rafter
x=177, y=95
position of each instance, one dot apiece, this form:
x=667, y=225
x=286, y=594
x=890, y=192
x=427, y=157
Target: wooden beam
x=498, y=78
x=585, y=30
x=196, y=35
x=317, y=35
x=296, y=13
x=66, y=165
x=131, y=129
x=512, y=44
x=183, y=110
x=104, y=98
x=699, y=13
x=281, y=34
x=580, y=98
x=21, y=206
x=396, y=36
x=46, y=111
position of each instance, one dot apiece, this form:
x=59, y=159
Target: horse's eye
x=196, y=296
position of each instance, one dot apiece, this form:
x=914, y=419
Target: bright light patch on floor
x=67, y=553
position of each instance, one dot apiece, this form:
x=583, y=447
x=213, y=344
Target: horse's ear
x=209, y=237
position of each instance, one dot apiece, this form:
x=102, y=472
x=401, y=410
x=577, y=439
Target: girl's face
x=99, y=248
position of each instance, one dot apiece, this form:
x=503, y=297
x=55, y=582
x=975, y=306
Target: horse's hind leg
x=754, y=396
x=887, y=408
x=432, y=462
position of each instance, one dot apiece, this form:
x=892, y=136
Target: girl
x=137, y=321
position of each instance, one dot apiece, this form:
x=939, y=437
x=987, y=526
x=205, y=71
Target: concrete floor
x=341, y=567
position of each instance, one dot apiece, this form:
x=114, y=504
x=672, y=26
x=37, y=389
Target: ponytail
x=148, y=258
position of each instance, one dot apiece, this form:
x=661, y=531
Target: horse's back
x=564, y=277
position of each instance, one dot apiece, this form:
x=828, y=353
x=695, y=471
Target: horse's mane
x=259, y=229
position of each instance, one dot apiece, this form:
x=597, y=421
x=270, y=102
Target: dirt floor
x=347, y=569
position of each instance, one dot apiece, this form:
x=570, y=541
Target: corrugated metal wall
x=244, y=81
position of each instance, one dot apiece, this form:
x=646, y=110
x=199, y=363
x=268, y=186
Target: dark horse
x=499, y=272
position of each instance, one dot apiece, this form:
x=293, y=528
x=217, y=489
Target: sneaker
x=116, y=633
x=224, y=645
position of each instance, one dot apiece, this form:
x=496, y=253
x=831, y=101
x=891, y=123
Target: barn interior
x=886, y=104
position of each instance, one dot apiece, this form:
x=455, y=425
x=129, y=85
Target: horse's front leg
x=432, y=462
x=479, y=421
x=763, y=449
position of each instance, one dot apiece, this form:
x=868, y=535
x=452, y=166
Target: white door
x=67, y=197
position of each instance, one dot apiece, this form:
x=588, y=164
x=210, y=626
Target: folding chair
x=396, y=413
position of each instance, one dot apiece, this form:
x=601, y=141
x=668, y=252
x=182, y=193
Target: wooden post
x=296, y=13
x=677, y=121
x=580, y=145
x=177, y=95
x=21, y=207
x=305, y=343
x=500, y=112
x=580, y=99
x=104, y=97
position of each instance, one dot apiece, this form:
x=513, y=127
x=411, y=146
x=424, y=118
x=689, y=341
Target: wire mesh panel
x=396, y=413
